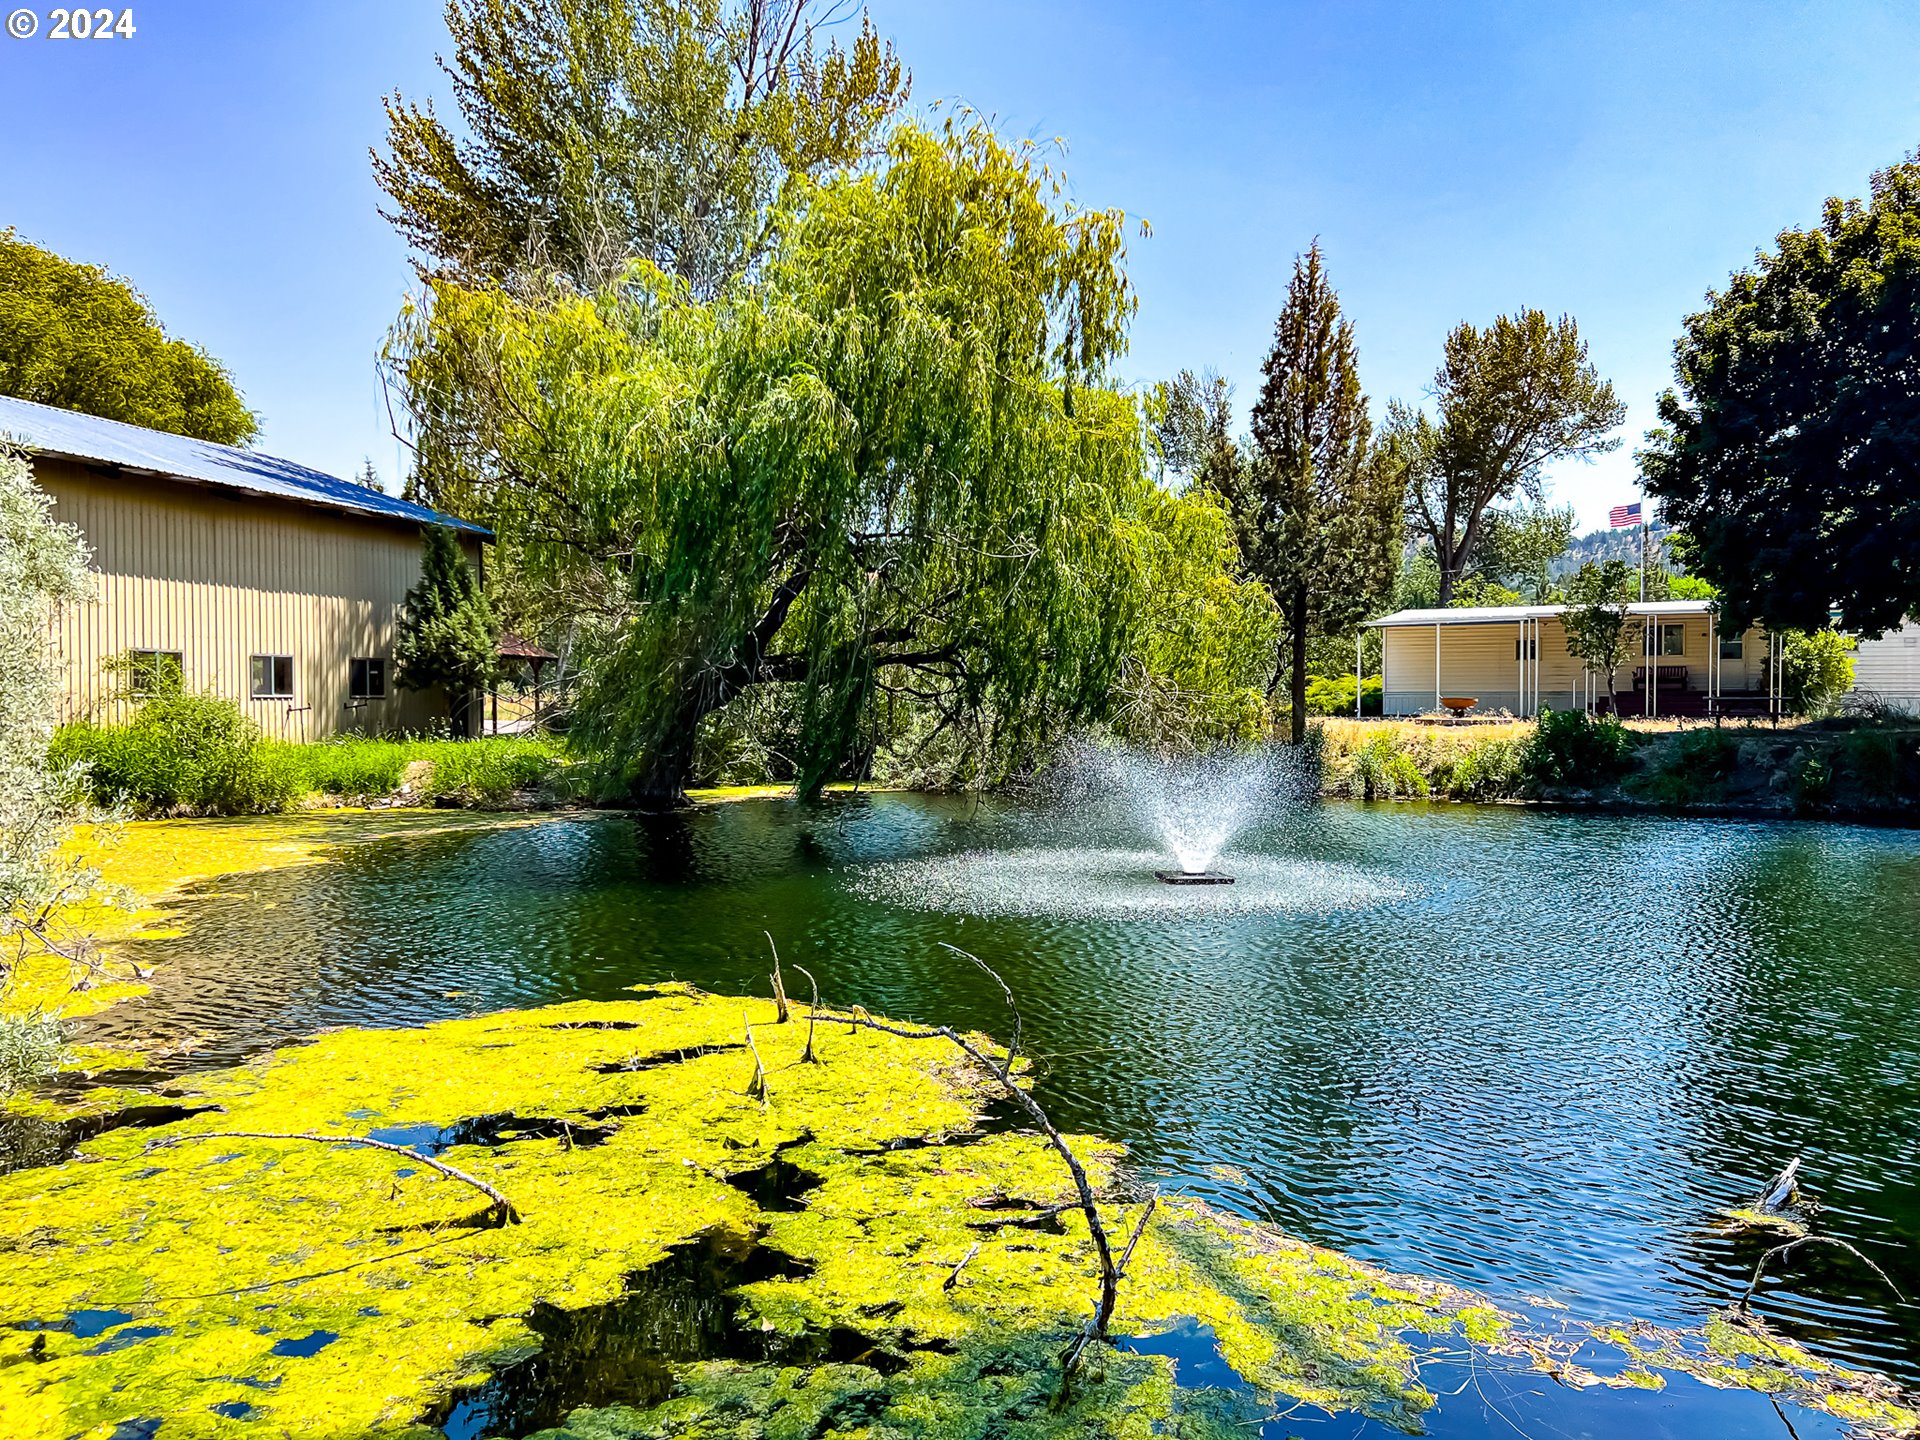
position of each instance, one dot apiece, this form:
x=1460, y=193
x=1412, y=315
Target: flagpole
x=1643, y=557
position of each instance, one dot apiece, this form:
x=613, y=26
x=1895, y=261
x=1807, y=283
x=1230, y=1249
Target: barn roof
x=46, y=430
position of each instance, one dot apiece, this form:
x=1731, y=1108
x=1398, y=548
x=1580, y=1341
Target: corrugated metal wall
x=220, y=578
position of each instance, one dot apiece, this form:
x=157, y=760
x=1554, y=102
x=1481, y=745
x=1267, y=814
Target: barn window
x=1733, y=647
x=367, y=678
x=152, y=672
x=1673, y=639
x=273, y=677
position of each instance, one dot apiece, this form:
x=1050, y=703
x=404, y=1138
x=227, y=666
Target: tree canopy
x=592, y=134
x=75, y=337
x=1511, y=400
x=1317, y=512
x=887, y=460
x=1788, y=452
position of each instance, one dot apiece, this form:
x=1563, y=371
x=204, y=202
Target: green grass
x=467, y=772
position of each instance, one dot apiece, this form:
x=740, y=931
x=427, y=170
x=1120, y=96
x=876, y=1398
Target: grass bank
x=1864, y=769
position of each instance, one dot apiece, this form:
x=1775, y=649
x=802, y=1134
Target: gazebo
x=513, y=650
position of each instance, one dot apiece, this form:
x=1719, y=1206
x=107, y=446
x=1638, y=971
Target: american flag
x=1621, y=515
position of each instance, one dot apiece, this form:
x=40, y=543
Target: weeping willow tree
x=890, y=458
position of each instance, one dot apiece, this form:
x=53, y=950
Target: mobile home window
x=273, y=677
x=1673, y=639
x=1733, y=647
x=151, y=671
x=367, y=679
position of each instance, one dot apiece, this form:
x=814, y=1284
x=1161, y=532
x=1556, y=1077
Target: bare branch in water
x=954, y=1279
x=813, y=1013
x=757, y=1086
x=503, y=1208
x=779, y=986
x=1759, y=1269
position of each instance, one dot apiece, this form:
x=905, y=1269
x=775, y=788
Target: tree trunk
x=1297, y=678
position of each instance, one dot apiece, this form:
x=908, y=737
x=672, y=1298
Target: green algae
x=322, y=1290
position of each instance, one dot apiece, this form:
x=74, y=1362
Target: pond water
x=1527, y=1052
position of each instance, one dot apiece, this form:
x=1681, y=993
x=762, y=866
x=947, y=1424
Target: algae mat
x=143, y=864
x=861, y=1249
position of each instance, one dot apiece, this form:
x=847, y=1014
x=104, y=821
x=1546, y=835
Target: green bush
x=1696, y=767
x=31, y=1046
x=1872, y=760
x=1810, y=782
x=354, y=766
x=1816, y=669
x=1490, y=770
x=1382, y=769
x=490, y=772
x=182, y=752
x=1333, y=695
x=1571, y=747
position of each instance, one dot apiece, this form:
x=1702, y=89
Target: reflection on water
x=1530, y=1053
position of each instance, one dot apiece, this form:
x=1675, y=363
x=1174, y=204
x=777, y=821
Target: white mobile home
x=1514, y=658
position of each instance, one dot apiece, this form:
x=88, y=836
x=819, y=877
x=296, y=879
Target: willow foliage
x=891, y=460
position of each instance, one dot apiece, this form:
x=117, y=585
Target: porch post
x=1520, y=650
x=1436, y=667
x=1360, y=670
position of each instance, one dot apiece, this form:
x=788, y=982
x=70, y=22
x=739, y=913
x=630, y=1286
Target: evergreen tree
x=1317, y=509
x=447, y=635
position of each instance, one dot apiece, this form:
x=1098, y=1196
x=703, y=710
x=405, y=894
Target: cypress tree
x=1317, y=511
x=447, y=634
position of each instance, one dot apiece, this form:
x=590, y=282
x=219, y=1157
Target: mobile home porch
x=1514, y=659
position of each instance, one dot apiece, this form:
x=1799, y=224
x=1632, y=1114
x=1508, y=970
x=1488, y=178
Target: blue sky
x=1456, y=161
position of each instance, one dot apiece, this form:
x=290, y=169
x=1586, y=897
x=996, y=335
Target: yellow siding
x=1482, y=661
x=222, y=577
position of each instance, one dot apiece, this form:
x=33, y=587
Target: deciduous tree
x=77, y=338
x=890, y=459
x=1511, y=399
x=1599, y=633
x=1316, y=508
x=592, y=134
x=1789, y=450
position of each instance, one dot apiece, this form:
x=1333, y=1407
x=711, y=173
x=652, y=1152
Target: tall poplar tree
x=1317, y=511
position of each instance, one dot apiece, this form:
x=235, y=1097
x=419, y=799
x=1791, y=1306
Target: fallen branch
x=1760, y=1268
x=954, y=1279
x=502, y=1208
x=1088, y=1332
x=1097, y=1328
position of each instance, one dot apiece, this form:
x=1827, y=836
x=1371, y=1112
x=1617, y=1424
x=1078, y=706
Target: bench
x=1735, y=707
x=1672, y=677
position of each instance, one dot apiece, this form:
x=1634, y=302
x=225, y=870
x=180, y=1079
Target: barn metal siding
x=222, y=576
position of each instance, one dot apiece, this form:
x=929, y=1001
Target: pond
x=1532, y=1053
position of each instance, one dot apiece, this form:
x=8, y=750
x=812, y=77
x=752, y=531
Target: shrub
x=30, y=1046
x=1872, y=760
x=1333, y=695
x=182, y=752
x=1816, y=669
x=1382, y=769
x=1810, y=782
x=1696, y=767
x=1492, y=769
x=490, y=772
x=1571, y=747
x=354, y=766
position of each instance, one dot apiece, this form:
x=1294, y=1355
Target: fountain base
x=1192, y=877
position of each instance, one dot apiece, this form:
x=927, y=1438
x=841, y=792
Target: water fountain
x=1194, y=805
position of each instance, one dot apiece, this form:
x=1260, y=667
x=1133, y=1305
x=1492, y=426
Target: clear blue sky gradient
x=1613, y=161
